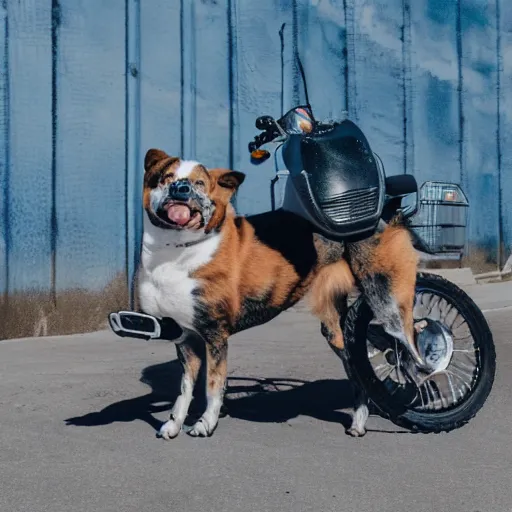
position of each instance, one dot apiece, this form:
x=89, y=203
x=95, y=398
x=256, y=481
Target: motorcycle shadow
x=278, y=400
x=268, y=400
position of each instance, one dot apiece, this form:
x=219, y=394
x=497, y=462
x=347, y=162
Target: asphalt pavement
x=78, y=417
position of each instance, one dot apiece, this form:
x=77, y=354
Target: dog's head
x=184, y=195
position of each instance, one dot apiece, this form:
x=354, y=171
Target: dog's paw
x=201, y=428
x=169, y=430
x=355, y=431
x=420, y=326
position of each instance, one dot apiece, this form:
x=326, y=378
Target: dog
x=216, y=273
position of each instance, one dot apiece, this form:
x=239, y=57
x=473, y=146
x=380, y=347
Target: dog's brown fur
x=266, y=263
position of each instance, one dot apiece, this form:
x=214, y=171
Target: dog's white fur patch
x=210, y=417
x=156, y=196
x=165, y=286
x=169, y=430
x=359, y=419
x=185, y=168
x=180, y=408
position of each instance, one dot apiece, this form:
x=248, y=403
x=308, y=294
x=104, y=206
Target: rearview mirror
x=297, y=121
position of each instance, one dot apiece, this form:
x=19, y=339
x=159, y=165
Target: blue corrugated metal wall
x=87, y=86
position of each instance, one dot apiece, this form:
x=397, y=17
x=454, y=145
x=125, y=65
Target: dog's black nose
x=181, y=190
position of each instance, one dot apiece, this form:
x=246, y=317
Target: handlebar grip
x=259, y=140
x=264, y=122
x=253, y=146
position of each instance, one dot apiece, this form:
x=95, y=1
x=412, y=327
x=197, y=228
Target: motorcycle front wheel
x=445, y=400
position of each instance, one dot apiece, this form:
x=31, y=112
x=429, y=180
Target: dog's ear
x=227, y=179
x=153, y=156
x=224, y=183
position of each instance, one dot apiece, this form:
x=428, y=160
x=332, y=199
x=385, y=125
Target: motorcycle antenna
x=301, y=70
x=281, y=37
x=303, y=75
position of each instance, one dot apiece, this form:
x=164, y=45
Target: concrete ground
x=78, y=416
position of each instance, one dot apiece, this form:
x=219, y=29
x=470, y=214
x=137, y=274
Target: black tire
x=355, y=331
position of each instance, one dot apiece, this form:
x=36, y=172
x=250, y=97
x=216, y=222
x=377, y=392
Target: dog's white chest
x=165, y=286
x=167, y=291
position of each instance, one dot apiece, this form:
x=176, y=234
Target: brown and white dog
x=216, y=274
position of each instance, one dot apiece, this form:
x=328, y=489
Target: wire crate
x=441, y=218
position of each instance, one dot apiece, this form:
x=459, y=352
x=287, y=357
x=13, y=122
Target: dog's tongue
x=179, y=213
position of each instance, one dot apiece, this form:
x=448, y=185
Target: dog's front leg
x=188, y=354
x=216, y=374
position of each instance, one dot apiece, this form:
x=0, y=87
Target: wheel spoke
x=441, y=390
x=452, y=388
x=427, y=394
x=460, y=372
x=465, y=385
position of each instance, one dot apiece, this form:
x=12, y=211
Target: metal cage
x=442, y=216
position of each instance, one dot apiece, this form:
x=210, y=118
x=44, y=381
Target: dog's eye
x=200, y=183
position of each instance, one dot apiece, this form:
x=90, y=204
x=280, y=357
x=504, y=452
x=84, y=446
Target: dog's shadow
x=260, y=400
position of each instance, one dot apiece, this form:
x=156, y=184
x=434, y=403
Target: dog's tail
x=333, y=281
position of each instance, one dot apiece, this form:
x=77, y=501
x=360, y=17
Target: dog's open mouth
x=180, y=215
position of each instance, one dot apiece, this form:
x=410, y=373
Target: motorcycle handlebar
x=263, y=138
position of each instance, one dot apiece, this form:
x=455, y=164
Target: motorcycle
x=338, y=183
x=335, y=181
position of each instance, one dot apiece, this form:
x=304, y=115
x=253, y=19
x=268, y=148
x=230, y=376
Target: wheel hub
x=390, y=357
x=435, y=345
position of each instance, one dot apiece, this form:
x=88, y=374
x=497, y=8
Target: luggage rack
x=441, y=220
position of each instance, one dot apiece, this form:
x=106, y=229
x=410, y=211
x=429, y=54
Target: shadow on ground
x=261, y=400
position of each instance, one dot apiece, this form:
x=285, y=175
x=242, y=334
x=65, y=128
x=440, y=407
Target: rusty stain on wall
x=76, y=311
